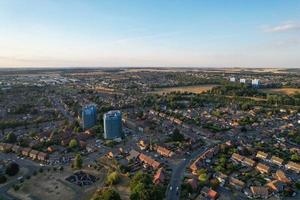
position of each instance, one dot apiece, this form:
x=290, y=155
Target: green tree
x=12, y=169
x=112, y=179
x=142, y=188
x=78, y=162
x=106, y=194
x=177, y=136
x=11, y=138
x=73, y=143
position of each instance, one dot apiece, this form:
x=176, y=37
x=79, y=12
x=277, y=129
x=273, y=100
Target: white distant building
x=255, y=82
x=242, y=80
x=232, y=79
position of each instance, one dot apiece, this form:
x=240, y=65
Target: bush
x=112, y=179
x=16, y=187
x=3, y=179
x=12, y=169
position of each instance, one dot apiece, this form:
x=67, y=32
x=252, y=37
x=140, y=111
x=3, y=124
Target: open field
x=44, y=186
x=53, y=185
x=194, y=89
x=287, y=91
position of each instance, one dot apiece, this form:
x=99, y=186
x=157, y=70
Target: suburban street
x=178, y=174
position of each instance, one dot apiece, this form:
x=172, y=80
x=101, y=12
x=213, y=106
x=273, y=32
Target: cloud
x=284, y=27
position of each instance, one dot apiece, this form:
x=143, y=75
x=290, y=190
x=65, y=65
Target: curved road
x=178, y=173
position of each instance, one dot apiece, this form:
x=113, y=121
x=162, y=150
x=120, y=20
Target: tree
x=12, y=169
x=112, y=179
x=78, y=162
x=214, y=183
x=73, y=143
x=142, y=188
x=106, y=194
x=177, y=136
x=295, y=157
x=2, y=179
x=11, y=138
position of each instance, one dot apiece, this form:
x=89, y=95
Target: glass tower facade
x=112, y=124
x=89, y=116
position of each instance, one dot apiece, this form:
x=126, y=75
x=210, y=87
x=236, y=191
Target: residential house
x=293, y=166
x=248, y=162
x=237, y=157
x=16, y=149
x=221, y=178
x=33, y=154
x=236, y=183
x=262, y=168
x=193, y=183
x=42, y=156
x=133, y=155
x=7, y=147
x=276, y=185
x=142, y=145
x=262, y=155
x=26, y=151
x=159, y=176
x=280, y=176
x=149, y=161
x=2, y=146
x=259, y=192
x=276, y=160
x=209, y=193
x=164, y=151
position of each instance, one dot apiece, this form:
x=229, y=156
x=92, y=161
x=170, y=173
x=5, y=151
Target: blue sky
x=179, y=33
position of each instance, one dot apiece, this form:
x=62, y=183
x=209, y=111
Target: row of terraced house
x=24, y=151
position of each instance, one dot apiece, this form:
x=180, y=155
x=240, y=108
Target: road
x=61, y=108
x=178, y=173
x=30, y=165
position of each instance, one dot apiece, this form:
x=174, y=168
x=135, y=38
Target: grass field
x=194, y=89
x=287, y=91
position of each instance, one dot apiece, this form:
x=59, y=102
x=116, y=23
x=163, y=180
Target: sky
x=150, y=33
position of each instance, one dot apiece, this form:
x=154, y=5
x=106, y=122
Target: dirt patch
x=287, y=91
x=194, y=89
x=44, y=186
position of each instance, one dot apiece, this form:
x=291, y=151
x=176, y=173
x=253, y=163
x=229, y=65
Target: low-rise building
x=293, y=166
x=236, y=183
x=209, y=193
x=42, y=156
x=16, y=149
x=237, y=157
x=262, y=168
x=262, y=155
x=248, y=162
x=280, y=176
x=221, y=178
x=149, y=161
x=33, y=154
x=159, y=177
x=164, y=151
x=25, y=151
x=276, y=160
x=259, y=192
x=276, y=185
x=133, y=155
